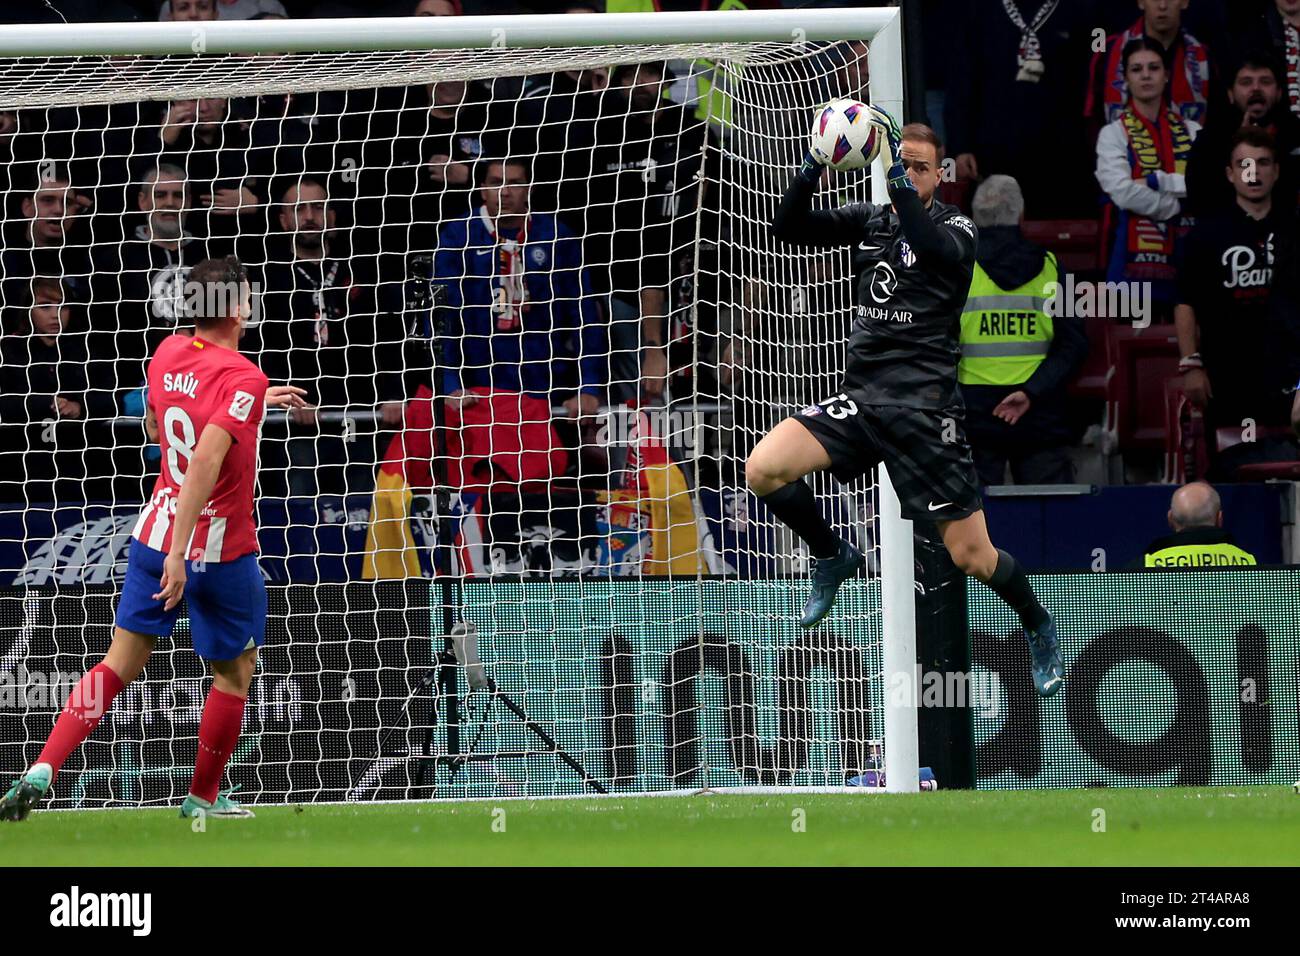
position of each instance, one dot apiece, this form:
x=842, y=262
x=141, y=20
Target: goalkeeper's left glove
x=891, y=150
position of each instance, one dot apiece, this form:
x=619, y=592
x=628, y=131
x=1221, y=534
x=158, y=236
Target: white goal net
x=530, y=289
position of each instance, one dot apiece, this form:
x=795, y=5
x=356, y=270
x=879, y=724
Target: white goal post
x=765, y=68
x=397, y=34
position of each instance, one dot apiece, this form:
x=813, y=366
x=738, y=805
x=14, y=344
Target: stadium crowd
x=1175, y=183
x=1165, y=132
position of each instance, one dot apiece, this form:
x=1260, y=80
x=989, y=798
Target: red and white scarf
x=1292, y=37
x=1029, y=55
x=509, y=289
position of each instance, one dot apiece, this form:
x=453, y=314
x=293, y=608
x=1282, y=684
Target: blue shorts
x=226, y=602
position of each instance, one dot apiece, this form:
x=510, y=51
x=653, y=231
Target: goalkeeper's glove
x=891, y=149
x=810, y=171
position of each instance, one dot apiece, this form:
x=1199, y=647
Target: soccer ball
x=843, y=136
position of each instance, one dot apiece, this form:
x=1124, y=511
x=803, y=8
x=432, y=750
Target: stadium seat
x=1094, y=377
x=1268, y=471
x=1144, y=359
x=957, y=193
x=1225, y=438
x=1076, y=242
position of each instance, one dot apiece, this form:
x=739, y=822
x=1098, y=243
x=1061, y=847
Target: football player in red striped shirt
x=195, y=539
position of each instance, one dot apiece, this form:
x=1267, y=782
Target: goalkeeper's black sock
x=796, y=506
x=1010, y=584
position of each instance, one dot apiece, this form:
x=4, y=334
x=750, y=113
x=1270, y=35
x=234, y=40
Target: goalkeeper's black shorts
x=925, y=451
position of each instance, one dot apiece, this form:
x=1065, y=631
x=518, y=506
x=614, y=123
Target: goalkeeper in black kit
x=899, y=403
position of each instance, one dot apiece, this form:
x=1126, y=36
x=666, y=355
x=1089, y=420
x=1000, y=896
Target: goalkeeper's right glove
x=810, y=171
x=891, y=149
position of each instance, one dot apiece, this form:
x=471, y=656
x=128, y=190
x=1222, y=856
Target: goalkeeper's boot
x=827, y=576
x=223, y=808
x=1045, y=658
x=26, y=792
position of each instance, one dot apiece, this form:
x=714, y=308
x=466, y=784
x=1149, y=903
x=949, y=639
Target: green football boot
x=223, y=808
x=26, y=792
x=827, y=576
x=1045, y=657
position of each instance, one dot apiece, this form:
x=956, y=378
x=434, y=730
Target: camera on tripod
x=423, y=306
x=423, y=302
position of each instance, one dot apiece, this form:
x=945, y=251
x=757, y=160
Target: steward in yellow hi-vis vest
x=1198, y=539
x=1016, y=357
x=1005, y=333
x=1197, y=548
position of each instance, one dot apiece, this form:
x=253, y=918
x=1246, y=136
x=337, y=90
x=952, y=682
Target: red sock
x=218, y=733
x=87, y=703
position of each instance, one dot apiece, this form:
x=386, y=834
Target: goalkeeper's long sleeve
x=798, y=224
x=923, y=234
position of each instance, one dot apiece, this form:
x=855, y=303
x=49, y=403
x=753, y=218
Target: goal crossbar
x=441, y=33
x=170, y=60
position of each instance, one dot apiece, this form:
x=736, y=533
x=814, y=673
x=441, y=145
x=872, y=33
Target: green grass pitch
x=1177, y=826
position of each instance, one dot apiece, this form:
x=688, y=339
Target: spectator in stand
x=502, y=90
x=188, y=11
x=1284, y=300
x=523, y=333
x=225, y=175
x=438, y=8
x=317, y=329
x=292, y=134
x=430, y=173
x=1254, y=102
x=1187, y=62
x=1141, y=165
x=139, y=283
x=422, y=177
x=1017, y=65
x=1112, y=16
x=1017, y=356
x=1199, y=539
x=634, y=194
x=42, y=241
x=51, y=395
x=1235, y=354
x=559, y=111
x=221, y=9
x=1277, y=29
x=450, y=144
x=417, y=145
